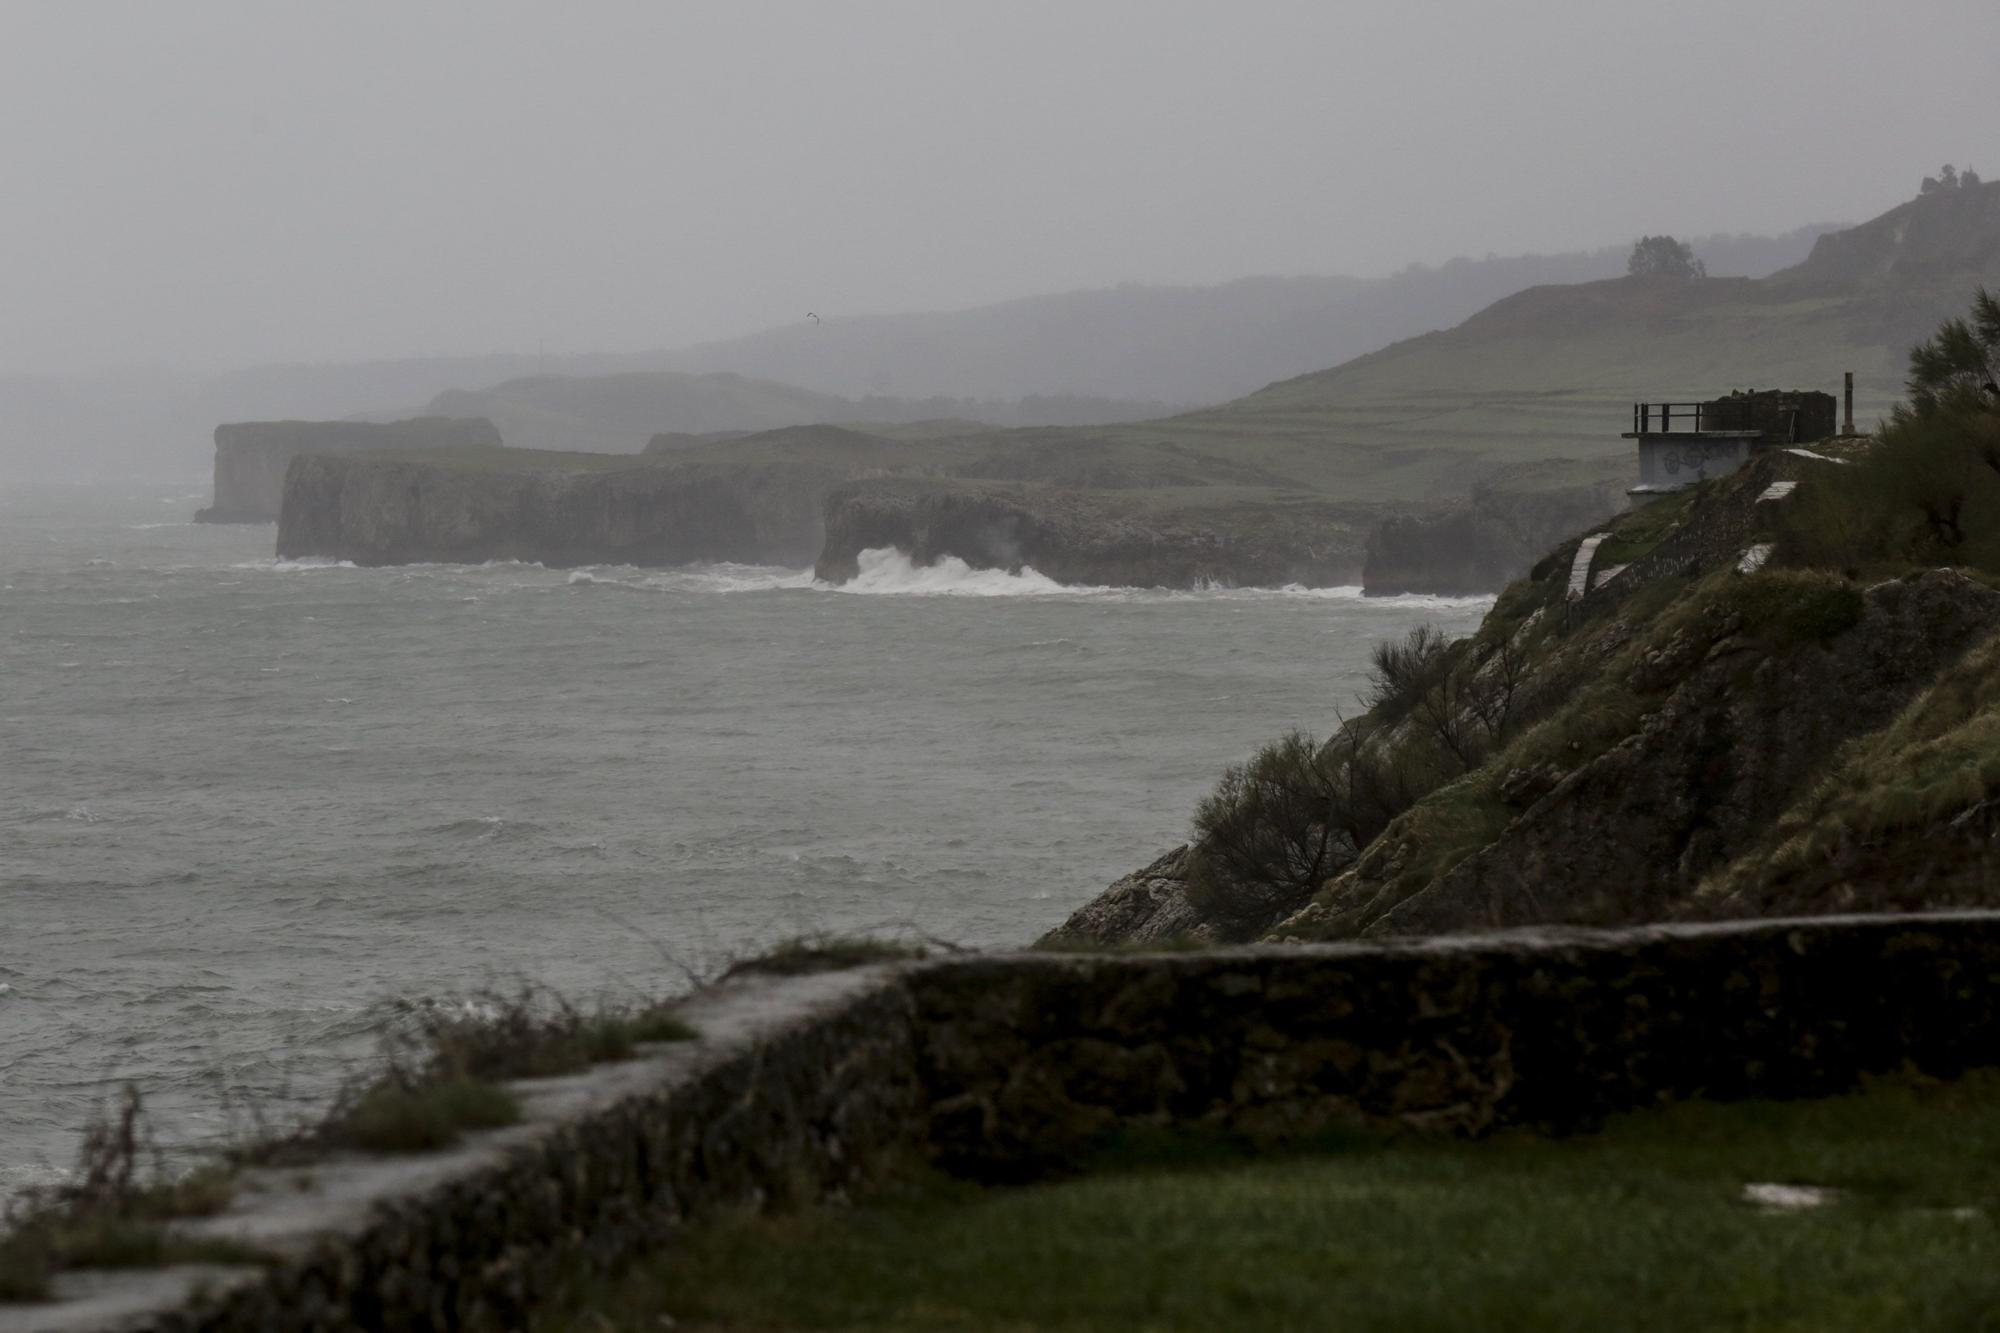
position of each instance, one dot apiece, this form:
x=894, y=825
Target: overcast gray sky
x=208, y=184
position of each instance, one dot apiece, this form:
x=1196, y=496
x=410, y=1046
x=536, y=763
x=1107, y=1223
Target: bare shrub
x=1402, y=671
x=1267, y=837
x=1278, y=827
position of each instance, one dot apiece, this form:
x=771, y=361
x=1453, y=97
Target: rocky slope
x=1732, y=725
x=251, y=456
x=1640, y=731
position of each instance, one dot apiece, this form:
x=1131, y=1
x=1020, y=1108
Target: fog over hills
x=1176, y=344
x=1120, y=353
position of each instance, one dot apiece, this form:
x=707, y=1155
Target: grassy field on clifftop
x=1647, y=1225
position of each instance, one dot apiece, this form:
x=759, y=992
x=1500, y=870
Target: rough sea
x=244, y=802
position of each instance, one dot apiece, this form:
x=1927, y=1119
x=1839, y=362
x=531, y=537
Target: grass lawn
x=1642, y=1226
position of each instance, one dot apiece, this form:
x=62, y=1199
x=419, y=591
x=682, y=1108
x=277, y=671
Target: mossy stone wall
x=1007, y=1064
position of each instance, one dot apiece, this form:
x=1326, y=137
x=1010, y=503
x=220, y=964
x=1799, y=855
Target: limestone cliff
x=553, y=508
x=1135, y=538
x=251, y=456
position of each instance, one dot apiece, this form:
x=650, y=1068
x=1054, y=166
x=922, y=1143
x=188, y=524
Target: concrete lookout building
x=1683, y=443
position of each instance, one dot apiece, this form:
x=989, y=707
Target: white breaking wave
x=723, y=578
x=885, y=571
x=300, y=566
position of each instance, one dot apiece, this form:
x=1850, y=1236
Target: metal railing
x=1669, y=416
x=1724, y=414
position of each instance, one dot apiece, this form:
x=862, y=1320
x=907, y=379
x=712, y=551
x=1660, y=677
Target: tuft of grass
x=1635, y=533
x=1641, y=1226
x=107, y=1216
x=528, y=1033
x=27, y=1266
x=393, y=1117
x=823, y=953
x=32, y=1255
x=660, y=1025
x=446, y=1066
x=1793, y=606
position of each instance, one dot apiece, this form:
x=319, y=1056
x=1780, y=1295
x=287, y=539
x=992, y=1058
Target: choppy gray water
x=242, y=801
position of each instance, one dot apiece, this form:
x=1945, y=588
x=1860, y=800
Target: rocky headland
x=251, y=457
x=819, y=495
x=1717, y=708
x=558, y=509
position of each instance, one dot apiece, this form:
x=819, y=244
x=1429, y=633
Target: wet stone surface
x=1006, y=1065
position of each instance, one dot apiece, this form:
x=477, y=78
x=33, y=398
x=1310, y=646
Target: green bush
x=1794, y=606
x=1402, y=671
x=1278, y=827
x=1928, y=492
x=1268, y=836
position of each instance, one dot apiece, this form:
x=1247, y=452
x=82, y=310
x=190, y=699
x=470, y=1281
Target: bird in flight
x=811, y=316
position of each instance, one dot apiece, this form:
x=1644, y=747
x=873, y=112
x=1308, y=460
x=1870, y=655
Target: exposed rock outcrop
x=556, y=509
x=1732, y=736
x=1103, y=537
x=1148, y=906
x=251, y=456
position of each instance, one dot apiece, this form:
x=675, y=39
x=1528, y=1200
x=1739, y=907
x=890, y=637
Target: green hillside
x=1552, y=372
x=620, y=413
x=1547, y=373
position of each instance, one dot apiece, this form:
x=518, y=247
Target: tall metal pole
x=1847, y=419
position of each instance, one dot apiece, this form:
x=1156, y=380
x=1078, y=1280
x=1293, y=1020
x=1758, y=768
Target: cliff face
x=560, y=509
x=1121, y=538
x=251, y=456
x=1668, y=738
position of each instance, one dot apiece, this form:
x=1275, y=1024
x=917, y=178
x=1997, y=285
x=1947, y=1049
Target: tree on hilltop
x=1665, y=257
x=1947, y=179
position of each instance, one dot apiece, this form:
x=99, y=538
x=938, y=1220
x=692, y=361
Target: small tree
x=1663, y=256
x=1402, y=671
x=1954, y=367
x=1268, y=836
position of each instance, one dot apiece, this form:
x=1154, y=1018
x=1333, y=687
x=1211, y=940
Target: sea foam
x=885, y=571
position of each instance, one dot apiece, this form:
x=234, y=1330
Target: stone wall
x=1003, y=1065
x=1782, y=416
x=1026, y=1059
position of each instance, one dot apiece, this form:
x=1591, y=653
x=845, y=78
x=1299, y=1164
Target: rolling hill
x=1192, y=344
x=1517, y=411
x=1552, y=372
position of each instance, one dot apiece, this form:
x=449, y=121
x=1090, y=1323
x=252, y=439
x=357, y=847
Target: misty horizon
x=555, y=357
x=222, y=186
